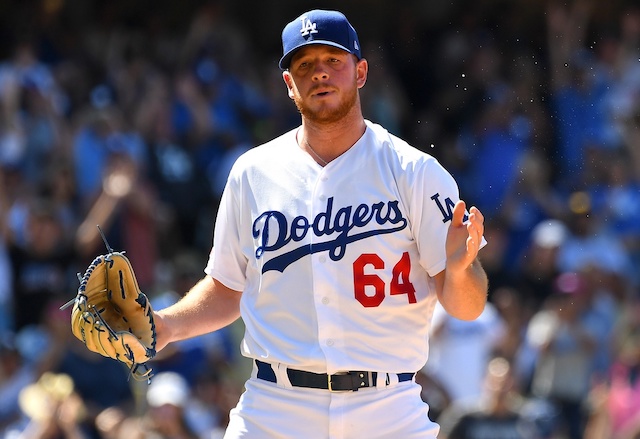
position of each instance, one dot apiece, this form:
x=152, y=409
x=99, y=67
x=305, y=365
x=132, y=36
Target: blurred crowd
x=534, y=107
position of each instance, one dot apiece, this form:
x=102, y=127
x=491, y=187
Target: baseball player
x=333, y=242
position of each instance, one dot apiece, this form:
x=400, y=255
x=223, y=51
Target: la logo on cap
x=307, y=27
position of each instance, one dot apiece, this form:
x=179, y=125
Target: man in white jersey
x=333, y=242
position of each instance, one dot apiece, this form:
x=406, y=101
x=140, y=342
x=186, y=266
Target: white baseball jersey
x=334, y=263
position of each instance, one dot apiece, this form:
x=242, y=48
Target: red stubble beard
x=326, y=113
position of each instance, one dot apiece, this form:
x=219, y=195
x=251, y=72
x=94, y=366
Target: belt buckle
x=362, y=377
x=329, y=385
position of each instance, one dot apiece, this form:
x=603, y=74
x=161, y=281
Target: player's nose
x=320, y=71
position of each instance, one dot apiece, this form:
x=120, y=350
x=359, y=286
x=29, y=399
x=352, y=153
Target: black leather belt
x=350, y=381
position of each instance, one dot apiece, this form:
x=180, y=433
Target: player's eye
x=302, y=65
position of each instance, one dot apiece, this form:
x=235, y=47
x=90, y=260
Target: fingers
x=459, y=211
x=476, y=219
x=475, y=229
x=465, y=236
x=475, y=216
x=473, y=241
x=474, y=211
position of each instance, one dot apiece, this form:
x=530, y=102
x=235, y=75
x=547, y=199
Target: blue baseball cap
x=318, y=27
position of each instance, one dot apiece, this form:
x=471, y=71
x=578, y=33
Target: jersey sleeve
x=434, y=192
x=227, y=263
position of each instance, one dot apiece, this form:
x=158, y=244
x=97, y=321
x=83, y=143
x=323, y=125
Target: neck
x=329, y=141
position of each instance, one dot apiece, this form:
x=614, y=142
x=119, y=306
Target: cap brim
x=286, y=58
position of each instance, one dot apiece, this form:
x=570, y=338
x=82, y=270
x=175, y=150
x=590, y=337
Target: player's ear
x=288, y=80
x=362, y=70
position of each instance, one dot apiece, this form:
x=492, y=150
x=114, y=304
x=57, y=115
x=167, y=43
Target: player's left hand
x=464, y=237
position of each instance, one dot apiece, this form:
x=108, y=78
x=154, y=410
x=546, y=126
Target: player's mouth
x=322, y=92
x=322, y=95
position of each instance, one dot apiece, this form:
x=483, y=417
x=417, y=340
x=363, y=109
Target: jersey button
x=329, y=342
x=325, y=300
x=322, y=259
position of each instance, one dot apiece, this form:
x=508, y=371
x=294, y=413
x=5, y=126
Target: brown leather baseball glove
x=112, y=316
